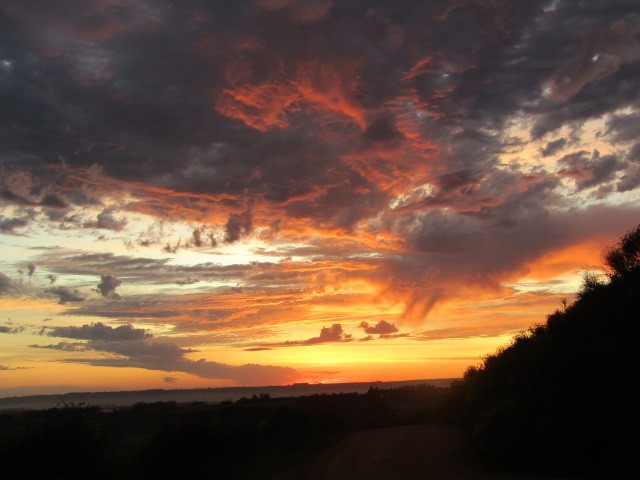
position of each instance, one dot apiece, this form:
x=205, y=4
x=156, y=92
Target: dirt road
x=403, y=453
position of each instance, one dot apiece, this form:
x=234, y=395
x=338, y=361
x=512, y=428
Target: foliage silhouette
x=253, y=438
x=562, y=397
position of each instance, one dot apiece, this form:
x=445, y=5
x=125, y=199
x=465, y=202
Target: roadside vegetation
x=563, y=397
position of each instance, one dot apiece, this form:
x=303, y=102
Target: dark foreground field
x=414, y=452
x=252, y=438
x=398, y=433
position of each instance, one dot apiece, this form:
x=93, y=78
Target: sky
x=197, y=194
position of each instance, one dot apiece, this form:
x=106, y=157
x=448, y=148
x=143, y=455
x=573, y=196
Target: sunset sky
x=214, y=193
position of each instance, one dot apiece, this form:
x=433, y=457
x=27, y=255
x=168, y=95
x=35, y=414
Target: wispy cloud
x=132, y=348
x=99, y=332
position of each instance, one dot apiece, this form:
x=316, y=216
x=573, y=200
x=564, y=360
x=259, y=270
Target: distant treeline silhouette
x=563, y=397
x=253, y=438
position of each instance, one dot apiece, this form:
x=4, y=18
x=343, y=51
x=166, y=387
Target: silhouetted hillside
x=562, y=398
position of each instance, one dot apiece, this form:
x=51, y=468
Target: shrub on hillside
x=562, y=397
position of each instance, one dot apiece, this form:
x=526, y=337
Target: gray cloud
x=73, y=262
x=461, y=93
x=590, y=170
x=381, y=328
x=603, y=53
x=552, y=148
x=11, y=330
x=108, y=221
x=107, y=286
x=171, y=358
x=624, y=127
x=239, y=225
x=64, y=346
x=31, y=269
x=9, y=225
x=6, y=284
x=66, y=295
x=453, y=251
x=99, y=332
x=5, y=368
x=331, y=334
x=137, y=269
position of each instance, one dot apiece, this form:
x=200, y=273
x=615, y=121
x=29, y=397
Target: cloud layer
x=129, y=347
x=228, y=169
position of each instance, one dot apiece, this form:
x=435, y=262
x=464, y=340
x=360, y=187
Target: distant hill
x=208, y=395
x=563, y=397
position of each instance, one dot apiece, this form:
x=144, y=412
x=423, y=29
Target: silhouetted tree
x=623, y=259
x=562, y=397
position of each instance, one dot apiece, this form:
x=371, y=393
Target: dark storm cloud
x=53, y=201
x=382, y=131
x=9, y=196
x=121, y=93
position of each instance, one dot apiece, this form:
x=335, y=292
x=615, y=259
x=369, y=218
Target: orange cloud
x=301, y=11
x=331, y=86
x=266, y=100
x=260, y=107
x=582, y=256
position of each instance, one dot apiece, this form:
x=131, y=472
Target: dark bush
x=562, y=397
